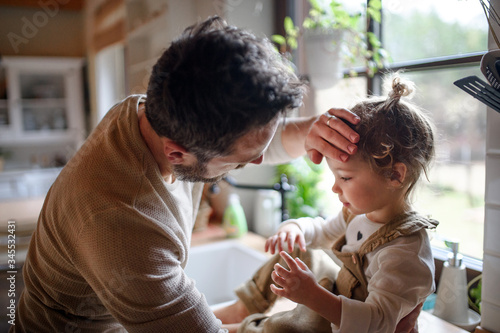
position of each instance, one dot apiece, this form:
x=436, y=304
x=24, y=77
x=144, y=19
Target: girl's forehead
x=355, y=161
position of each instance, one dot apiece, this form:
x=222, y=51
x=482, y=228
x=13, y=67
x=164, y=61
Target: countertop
x=426, y=322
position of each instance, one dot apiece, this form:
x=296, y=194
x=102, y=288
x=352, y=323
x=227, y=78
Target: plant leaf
x=315, y=4
x=375, y=4
x=373, y=40
x=292, y=42
x=448, y=243
x=278, y=39
x=288, y=23
x=375, y=14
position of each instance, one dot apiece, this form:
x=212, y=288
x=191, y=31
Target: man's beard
x=194, y=173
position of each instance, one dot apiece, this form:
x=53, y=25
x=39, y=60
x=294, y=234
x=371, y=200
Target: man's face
x=249, y=148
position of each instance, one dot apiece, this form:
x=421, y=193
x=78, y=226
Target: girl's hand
x=289, y=233
x=331, y=137
x=297, y=283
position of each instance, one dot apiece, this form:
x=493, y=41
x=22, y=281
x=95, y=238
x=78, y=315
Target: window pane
x=342, y=95
x=455, y=194
x=428, y=28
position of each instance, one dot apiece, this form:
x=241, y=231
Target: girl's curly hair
x=393, y=130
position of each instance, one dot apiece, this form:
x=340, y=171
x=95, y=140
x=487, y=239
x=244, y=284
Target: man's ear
x=398, y=174
x=175, y=153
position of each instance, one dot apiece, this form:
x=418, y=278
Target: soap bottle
x=451, y=301
x=233, y=220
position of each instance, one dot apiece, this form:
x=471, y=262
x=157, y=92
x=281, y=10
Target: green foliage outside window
x=305, y=176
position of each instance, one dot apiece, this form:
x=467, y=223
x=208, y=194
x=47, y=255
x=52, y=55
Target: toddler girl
x=387, y=267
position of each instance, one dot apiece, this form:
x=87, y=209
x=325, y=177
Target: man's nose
x=258, y=160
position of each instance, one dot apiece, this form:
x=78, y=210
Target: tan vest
x=351, y=281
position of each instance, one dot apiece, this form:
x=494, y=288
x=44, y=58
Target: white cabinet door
x=44, y=102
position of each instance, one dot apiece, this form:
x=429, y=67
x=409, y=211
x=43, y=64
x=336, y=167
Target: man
x=113, y=236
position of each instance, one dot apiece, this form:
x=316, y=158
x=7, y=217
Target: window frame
x=374, y=87
x=474, y=267
x=297, y=9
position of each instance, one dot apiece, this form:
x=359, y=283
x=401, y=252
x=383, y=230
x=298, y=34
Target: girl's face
x=362, y=191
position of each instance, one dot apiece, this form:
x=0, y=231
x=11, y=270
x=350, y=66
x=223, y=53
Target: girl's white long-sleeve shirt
x=400, y=274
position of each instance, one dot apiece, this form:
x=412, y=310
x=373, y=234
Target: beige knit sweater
x=112, y=241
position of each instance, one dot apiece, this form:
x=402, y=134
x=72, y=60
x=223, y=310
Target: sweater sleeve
x=276, y=153
x=135, y=269
x=403, y=276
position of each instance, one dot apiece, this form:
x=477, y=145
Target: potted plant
x=331, y=36
x=474, y=293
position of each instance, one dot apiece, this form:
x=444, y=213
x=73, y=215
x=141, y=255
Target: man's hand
x=329, y=136
x=231, y=328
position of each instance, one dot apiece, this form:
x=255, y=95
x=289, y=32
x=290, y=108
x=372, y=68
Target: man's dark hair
x=214, y=84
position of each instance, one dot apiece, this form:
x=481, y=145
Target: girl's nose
x=335, y=188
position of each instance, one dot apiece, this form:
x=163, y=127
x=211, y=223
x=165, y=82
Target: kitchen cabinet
x=41, y=101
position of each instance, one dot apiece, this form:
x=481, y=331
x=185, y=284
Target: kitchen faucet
x=282, y=187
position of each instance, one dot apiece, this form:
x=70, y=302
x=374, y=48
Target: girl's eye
x=345, y=178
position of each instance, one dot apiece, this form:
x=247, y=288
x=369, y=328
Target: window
x=455, y=193
x=441, y=42
x=428, y=29
x=436, y=43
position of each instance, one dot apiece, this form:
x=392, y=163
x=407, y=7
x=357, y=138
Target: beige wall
x=41, y=32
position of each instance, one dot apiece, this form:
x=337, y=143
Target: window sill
x=471, y=263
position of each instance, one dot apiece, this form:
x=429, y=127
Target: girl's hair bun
x=400, y=87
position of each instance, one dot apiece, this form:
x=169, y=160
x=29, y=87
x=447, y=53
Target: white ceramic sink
x=219, y=268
